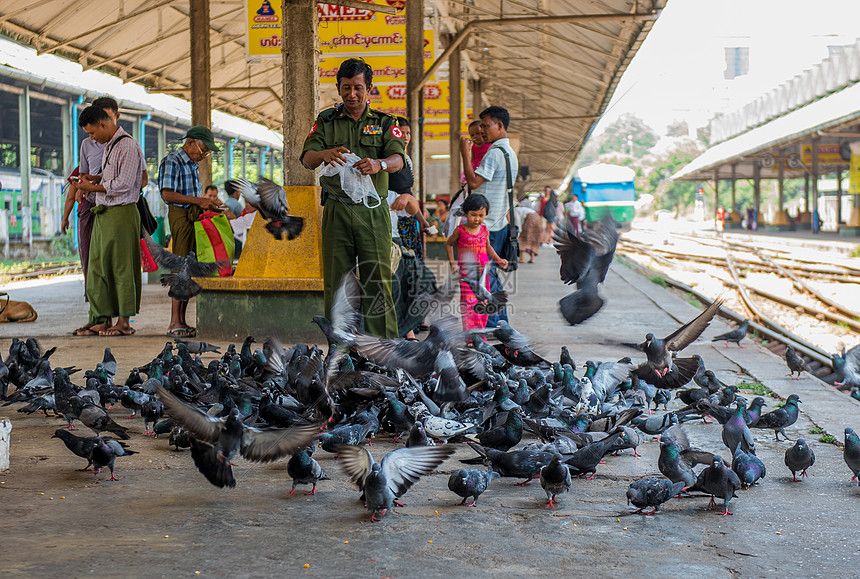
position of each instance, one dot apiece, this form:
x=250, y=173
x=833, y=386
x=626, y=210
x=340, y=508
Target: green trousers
x=353, y=235
x=113, y=276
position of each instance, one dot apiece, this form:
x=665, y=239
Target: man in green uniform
x=357, y=233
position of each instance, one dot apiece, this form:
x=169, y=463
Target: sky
x=677, y=73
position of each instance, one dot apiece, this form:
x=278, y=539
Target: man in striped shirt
x=113, y=282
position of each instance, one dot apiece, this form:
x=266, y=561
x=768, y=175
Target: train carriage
x=606, y=188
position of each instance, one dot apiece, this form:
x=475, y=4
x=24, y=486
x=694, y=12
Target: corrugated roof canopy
x=555, y=79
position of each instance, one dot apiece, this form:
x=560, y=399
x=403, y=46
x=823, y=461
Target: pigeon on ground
x=799, y=458
x=503, y=437
x=851, y=452
x=182, y=286
x=672, y=466
x=652, y=492
x=718, y=480
x=565, y=358
x=196, y=347
x=748, y=467
x=736, y=432
x=270, y=200
x=96, y=418
x=554, y=479
x=417, y=435
x=525, y=464
x=152, y=410
x=383, y=483
x=735, y=335
x=82, y=446
x=795, y=363
x=781, y=418
x=847, y=368
x=655, y=425
x=585, y=460
x=304, y=469
x=470, y=482
x=753, y=413
x=104, y=454
x=344, y=434
x=661, y=369
x=585, y=261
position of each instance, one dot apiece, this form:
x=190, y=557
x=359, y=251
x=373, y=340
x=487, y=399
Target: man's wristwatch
x=383, y=165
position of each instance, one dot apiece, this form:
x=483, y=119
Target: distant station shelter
x=807, y=128
x=603, y=189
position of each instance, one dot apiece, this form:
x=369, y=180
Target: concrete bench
x=278, y=285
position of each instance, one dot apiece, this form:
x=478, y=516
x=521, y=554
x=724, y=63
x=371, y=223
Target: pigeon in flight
x=383, y=483
x=182, y=286
x=661, y=369
x=585, y=261
x=270, y=200
x=735, y=335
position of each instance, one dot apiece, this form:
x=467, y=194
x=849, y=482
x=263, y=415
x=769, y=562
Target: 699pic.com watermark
x=424, y=289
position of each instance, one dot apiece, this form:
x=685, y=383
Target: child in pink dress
x=472, y=240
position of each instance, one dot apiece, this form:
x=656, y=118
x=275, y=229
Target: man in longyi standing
x=179, y=183
x=113, y=280
x=357, y=233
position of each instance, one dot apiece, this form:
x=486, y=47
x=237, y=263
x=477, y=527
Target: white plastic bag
x=358, y=187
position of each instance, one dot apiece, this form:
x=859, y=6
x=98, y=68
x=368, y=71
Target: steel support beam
x=300, y=88
x=24, y=165
x=815, y=185
x=476, y=87
x=201, y=97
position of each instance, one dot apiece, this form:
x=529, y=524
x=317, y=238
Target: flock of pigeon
x=486, y=388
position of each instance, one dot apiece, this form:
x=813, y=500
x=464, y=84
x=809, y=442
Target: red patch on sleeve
x=313, y=129
x=396, y=132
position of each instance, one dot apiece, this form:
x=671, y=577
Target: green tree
x=627, y=135
x=673, y=194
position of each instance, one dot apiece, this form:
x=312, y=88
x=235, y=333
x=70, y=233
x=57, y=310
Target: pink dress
x=476, y=247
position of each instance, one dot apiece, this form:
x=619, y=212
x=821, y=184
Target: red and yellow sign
x=828, y=154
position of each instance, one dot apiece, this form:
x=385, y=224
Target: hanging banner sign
x=828, y=154
x=854, y=170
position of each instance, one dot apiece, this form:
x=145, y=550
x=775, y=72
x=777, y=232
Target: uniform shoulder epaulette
x=328, y=114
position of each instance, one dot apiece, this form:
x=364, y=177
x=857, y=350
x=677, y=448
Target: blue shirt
x=179, y=173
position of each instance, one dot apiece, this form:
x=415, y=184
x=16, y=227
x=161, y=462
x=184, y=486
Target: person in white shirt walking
x=575, y=214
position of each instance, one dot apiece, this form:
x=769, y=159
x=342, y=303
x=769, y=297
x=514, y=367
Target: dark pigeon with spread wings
x=270, y=200
x=182, y=286
x=585, y=261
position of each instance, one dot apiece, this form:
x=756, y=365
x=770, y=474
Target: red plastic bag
x=146, y=259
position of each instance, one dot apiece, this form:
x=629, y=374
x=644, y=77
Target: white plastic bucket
x=5, y=440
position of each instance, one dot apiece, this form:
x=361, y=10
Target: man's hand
x=207, y=204
x=368, y=166
x=334, y=156
x=85, y=185
x=401, y=202
x=80, y=195
x=64, y=225
x=465, y=144
x=94, y=179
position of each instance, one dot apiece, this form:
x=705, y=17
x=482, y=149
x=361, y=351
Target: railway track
x=739, y=259
x=47, y=269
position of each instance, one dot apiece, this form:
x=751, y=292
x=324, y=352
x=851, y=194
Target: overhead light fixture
x=440, y=157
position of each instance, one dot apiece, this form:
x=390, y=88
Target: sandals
x=85, y=331
x=182, y=333
x=116, y=332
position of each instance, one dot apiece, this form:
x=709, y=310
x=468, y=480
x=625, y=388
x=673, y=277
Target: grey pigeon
x=735, y=335
x=748, y=467
x=781, y=418
x=96, y=418
x=847, y=368
x=554, y=479
x=672, y=466
x=525, y=464
x=470, y=482
x=196, y=347
x=736, y=431
x=652, y=492
x=270, y=200
x=229, y=435
x=304, y=469
x=718, y=480
x=182, y=286
x=795, y=363
x=799, y=458
x=105, y=453
x=82, y=446
x=851, y=452
x=417, y=436
x=488, y=303
x=656, y=424
x=383, y=483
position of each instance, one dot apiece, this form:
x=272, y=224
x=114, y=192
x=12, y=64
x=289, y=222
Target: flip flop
x=182, y=333
x=116, y=332
x=85, y=332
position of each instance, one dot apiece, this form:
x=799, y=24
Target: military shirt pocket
x=372, y=142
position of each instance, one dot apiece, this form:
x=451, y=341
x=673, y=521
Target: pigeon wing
x=248, y=191
x=345, y=306
x=403, y=467
x=204, y=268
x=270, y=445
x=356, y=461
x=576, y=255
x=164, y=258
x=689, y=332
x=273, y=199
x=204, y=427
x=417, y=358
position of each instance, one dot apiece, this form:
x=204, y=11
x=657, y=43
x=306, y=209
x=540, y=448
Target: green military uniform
x=352, y=232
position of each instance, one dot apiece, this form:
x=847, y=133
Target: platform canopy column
x=814, y=185
x=756, y=190
x=838, y=198
x=24, y=165
x=455, y=113
x=716, y=192
x=477, y=98
x=414, y=89
x=201, y=84
x=300, y=71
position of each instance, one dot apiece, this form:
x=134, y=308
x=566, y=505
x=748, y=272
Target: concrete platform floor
x=162, y=519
